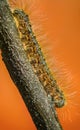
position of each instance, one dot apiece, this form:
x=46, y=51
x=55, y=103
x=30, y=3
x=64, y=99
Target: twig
x=39, y=104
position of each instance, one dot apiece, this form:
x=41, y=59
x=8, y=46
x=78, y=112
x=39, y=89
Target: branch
x=39, y=104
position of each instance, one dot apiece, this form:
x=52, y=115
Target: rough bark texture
x=39, y=104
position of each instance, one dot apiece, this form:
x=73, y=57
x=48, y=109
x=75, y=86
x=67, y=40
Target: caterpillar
x=36, y=58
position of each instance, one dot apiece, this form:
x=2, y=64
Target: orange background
x=63, y=27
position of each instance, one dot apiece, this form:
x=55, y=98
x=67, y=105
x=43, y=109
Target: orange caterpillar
x=70, y=111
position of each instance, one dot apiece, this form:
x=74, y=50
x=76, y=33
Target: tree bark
x=38, y=103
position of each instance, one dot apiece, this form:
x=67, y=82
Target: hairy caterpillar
x=36, y=58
